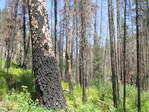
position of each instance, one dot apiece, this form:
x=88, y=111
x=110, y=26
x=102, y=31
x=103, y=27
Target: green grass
x=15, y=78
x=99, y=98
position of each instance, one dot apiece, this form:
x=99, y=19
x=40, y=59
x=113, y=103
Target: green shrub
x=22, y=97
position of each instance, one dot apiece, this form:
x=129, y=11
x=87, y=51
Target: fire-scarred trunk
x=45, y=66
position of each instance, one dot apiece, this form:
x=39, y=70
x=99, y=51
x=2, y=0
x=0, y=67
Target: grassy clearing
x=99, y=99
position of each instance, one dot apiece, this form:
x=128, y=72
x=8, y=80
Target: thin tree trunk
x=72, y=43
x=138, y=58
x=118, y=47
x=112, y=36
x=124, y=53
x=24, y=33
x=60, y=46
x=147, y=46
x=12, y=35
x=55, y=30
x=82, y=53
x=77, y=56
x=101, y=20
x=95, y=29
x=68, y=59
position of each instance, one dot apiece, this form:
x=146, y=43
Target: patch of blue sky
x=2, y=4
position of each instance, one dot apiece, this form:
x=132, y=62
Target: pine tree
x=45, y=66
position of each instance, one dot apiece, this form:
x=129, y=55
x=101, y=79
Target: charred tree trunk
x=68, y=58
x=55, y=30
x=112, y=36
x=45, y=66
x=138, y=57
x=124, y=62
x=24, y=34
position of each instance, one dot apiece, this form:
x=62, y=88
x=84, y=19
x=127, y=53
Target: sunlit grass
x=99, y=98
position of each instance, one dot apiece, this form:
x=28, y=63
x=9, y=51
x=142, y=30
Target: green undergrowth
x=99, y=98
x=15, y=78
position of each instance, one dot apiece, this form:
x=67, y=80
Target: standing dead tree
x=138, y=57
x=112, y=48
x=45, y=65
x=11, y=37
x=68, y=59
x=124, y=61
x=55, y=27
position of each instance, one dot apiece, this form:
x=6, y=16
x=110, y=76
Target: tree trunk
x=82, y=53
x=45, y=66
x=118, y=47
x=61, y=46
x=68, y=59
x=12, y=35
x=112, y=36
x=124, y=62
x=55, y=30
x=24, y=34
x=138, y=57
x=147, y=45
x=77, y=34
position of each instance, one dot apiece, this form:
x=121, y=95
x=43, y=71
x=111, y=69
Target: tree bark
x=77, y=34
x=12, y=35
x=124, y=62
x=82, y=53
x=138, y=57
x=45, y=66
x=55, y=30
x=118, y=47
x=68, y=58
x=24, y=34
x=112, y=36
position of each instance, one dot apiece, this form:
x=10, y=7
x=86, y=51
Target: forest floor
x=3, y=107
x=99, y=96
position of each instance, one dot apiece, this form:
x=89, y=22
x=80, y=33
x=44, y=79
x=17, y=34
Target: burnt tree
x=24, y=33
x=10, y=41
x=45, y=66
x=112, y=48
x=83, y=4
x=55, y=27
x=68, y=58
x=118, y=46
x=138, y=57
x=124, y=63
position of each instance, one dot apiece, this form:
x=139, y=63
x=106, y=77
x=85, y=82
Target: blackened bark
x=138, y=57
x=24, y=34
x=124, y=62
x=55, y=30
x=112, y=36
x=45, y=66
